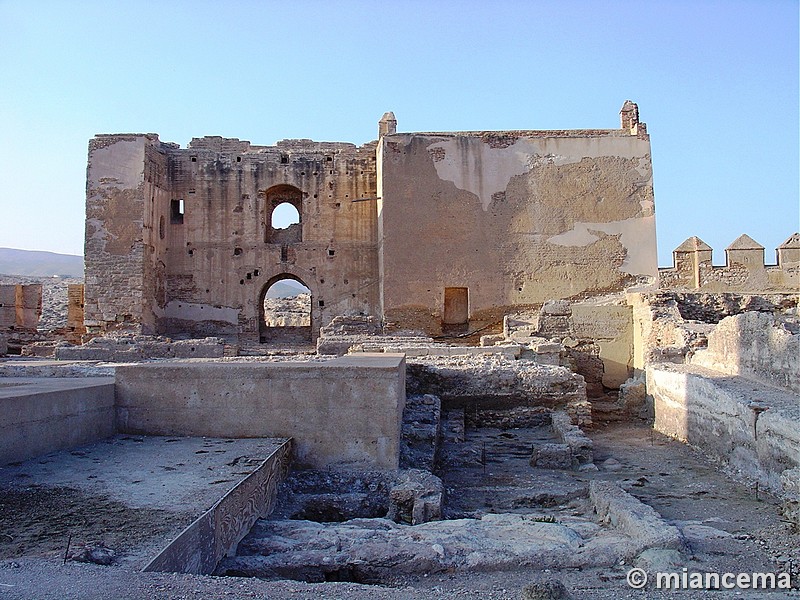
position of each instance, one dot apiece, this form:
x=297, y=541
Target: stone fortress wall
x=745, y=269
x=420, y=230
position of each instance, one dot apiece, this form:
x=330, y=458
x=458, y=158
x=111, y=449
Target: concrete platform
x=155, y=486
x=343, y=412
x=44, y=414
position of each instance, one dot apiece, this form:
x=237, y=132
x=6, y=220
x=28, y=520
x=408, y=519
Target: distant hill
x=34, y=263
x=285, y=289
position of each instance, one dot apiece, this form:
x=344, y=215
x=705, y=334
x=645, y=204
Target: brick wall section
x=20, y=306
x=75, y=306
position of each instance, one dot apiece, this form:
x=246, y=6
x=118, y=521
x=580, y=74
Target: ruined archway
x=285, y=310
x=283, y=218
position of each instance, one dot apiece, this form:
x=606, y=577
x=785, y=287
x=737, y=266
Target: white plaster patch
x=188, y=311
x=474, y=166
x=122, y=161
x=637, y=236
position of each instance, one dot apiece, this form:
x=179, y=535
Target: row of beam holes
x=255, y=273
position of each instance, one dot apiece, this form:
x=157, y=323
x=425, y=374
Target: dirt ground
x=132, y=493
x=727, y=527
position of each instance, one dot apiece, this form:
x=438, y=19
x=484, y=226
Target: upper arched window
x=283, y=221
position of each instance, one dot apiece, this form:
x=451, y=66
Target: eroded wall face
x=517, y=218
x=20, y=306
x=114, y=247
x=214, y=264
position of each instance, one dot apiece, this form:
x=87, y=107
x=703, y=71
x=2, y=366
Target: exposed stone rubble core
x=411, y=496
x=422, y=430
x=490, y=382
x=756, y=346
x=670, y=326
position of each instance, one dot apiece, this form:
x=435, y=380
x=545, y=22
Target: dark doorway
x=456, y=307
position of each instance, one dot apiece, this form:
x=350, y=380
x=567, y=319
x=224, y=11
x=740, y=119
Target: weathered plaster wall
x=114, y=247
x=517, y=217
x=671, y=326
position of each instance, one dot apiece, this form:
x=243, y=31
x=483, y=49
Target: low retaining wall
x=754, y=428
x=39, y=415
x=215, y=534
x=645, y=527
x=754, y=345
x=346, y=411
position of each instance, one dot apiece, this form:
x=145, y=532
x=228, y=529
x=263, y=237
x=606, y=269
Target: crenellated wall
x=744, y=271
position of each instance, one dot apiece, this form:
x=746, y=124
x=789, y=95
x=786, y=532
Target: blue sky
x=716, y=82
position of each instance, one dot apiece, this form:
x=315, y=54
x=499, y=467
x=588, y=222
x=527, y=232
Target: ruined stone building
x=540, y=246
x=427, y=231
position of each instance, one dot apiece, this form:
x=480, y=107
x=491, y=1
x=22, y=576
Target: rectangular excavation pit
x=133, y=494
x=360, y=526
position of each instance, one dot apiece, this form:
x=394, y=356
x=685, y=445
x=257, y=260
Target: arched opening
x=283, y=221
x=285, y=311
x=285, y=215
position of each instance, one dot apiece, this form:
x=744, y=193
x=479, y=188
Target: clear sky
x=716, y=82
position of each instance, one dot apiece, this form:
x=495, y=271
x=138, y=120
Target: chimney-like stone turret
x=387, y=125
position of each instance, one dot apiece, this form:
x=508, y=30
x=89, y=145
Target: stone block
x=552, y=456
x=557, y=307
